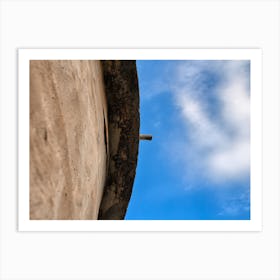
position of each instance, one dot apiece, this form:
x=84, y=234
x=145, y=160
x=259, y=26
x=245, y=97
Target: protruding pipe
x=145, y=137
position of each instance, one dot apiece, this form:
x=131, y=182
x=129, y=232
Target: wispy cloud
x=198, y=163
x=214, y=101
x=235, y=204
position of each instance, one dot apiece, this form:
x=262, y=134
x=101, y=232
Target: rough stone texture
x=121, y=84
x=68, y=139
x=80, y=151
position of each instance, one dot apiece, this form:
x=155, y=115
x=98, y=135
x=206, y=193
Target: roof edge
x=122, y=92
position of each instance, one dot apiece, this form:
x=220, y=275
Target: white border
x=254, y=55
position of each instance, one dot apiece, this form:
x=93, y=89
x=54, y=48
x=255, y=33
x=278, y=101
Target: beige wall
x=68, y=158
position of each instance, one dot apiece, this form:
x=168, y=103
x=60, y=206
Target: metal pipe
x=145, y=137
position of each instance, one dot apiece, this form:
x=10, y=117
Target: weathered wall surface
x=121, y=84
x=68, y=139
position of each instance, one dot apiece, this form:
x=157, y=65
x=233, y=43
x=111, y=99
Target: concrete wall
x=68, y=139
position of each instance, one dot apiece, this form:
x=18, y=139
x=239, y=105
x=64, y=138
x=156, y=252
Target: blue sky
x=197, y=167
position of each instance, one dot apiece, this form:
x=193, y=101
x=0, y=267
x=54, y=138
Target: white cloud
x=221, y=141
x=235, y=204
